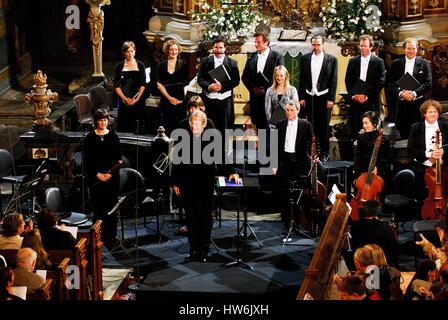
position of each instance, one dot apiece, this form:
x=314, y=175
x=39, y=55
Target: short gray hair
x=26, y=256
x=293, y=103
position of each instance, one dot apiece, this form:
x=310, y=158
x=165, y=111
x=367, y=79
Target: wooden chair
x=59, y=276
x=44, y=293
x=94, y=268
x=77, y=257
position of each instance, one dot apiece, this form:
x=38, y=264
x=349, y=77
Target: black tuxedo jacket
x=376, y=78
x=208, y=63
x=328, y=77
x=417, y=143
x=421, y=72
x=303, y=141
x=250, y=70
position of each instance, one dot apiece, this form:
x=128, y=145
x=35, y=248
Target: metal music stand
x=120, y=240
x=295, y=186
x=248, y=183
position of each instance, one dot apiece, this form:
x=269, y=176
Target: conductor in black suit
x=294, y=140
x=408, y=102
x=217, y=96
x=264, y=60
x=371, y=69
x=317, y=89
x=421, y=143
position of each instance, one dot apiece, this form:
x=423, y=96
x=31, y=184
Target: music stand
x=295, y=186
x=248, y=183
x=120, y=240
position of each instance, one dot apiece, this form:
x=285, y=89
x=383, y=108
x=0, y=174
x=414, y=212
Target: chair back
x=83, y=107
x=131, y=185
x=403, y=183
x=99, y=98
x=53, y=199
x=5, y=162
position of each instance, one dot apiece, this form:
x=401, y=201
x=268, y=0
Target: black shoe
x=202, y=257
x=192, y=256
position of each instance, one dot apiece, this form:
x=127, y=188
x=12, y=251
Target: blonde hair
x=200, y=114
x=287, y=84
x=379, y=258
x=169, y=43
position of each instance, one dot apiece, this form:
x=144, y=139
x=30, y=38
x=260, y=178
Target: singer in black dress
x=172, y=77
x=129, y=80
x=102, y=153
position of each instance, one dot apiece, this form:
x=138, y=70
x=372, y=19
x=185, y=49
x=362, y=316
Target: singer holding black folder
x=217, y=94
x=371, y=70
x=129, y=80
x=407, y=100
x=101, y=153
x=172, y=77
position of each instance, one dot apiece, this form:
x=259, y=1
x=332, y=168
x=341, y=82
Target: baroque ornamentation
x=433, y=3
x=440, y=61
x=41, y=98
x=413, y=4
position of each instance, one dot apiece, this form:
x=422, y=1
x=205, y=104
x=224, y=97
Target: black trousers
x=257, y=111
x=103, y=198
x=407, y=113
x=199, y=219
x=220, y=111
x=319, y=116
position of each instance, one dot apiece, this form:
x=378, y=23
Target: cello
x=434, y=207
x=316, y=196
x=368, y=184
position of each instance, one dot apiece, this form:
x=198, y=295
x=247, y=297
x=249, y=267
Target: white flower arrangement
x=236, y=21
x=346, y=20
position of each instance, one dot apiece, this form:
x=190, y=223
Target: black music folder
x=175, y=90
x=408, y=82
x=262, y=80
x=360, y=87
x=220, y=73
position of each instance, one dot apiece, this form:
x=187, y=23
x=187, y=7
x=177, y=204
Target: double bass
x=315, y=196
x=368, y=184
x=434, y=207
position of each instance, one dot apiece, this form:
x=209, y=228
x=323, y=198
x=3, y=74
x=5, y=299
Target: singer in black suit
x=265, y=60
x=421, y=143
x=317, y=91
x=218, y=97
x=375, y=78
x=408, y=103
x=294, y=141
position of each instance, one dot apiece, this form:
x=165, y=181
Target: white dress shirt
x=430, y=134
x=218, y=95
x=364, y=67
x=262, y=57
x=316, y=67
x=291, y=134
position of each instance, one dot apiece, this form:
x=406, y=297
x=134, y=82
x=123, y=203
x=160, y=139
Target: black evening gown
x=130, y=83
x=101, y=153
x=174, y=84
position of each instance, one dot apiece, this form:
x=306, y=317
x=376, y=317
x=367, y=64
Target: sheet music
x=73, y=230
x=19, y=291
x=42, y=273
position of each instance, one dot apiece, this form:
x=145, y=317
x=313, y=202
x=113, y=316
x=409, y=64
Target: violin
x=368, y=184
x=316, y=196
x=434, y=207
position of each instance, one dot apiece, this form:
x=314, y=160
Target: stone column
x=96, y=22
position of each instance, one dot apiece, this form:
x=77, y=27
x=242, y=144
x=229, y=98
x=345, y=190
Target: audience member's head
x=352, y=288
x=46, y=219
x=6, y=281
x=371, y=209
x=363, y=258
x=379, y=258
x=26, y=257
x=13, y=224
x=33, y=240
x=194, y=103
x=424, y=269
